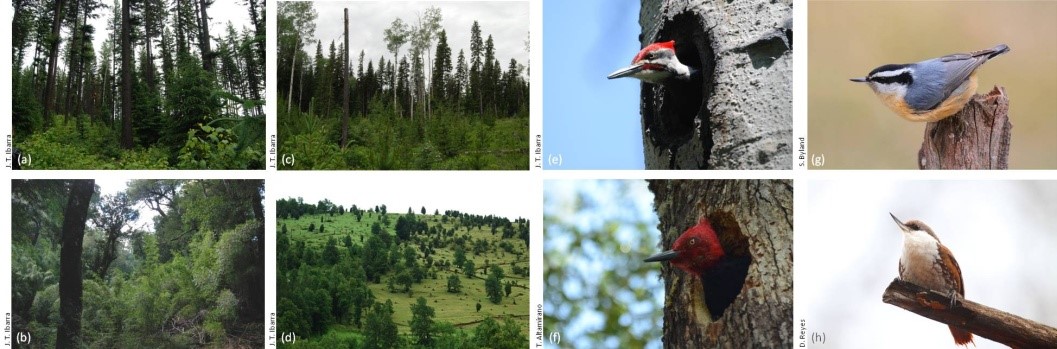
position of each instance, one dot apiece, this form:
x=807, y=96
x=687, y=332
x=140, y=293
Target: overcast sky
x=506, y=21
x=220, y=13
x=504, y=195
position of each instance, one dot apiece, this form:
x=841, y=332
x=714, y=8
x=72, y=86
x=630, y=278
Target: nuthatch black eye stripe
x=904, y=78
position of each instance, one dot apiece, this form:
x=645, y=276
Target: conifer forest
x=138, y=84
x=141, y=264
x=398, y=95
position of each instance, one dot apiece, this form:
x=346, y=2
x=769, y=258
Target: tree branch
x=976, y=138
x=987, y=322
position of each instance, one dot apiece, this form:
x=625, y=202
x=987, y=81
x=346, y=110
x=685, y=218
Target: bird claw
x=954, y=298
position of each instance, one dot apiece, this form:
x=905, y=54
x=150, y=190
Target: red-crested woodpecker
x=656, y=64
x=698, y=252
x=927, y=263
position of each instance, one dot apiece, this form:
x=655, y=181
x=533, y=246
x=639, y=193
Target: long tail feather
x=961, y=337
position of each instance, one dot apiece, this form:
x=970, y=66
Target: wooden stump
x=976, y=138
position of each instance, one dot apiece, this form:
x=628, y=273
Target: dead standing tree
x=740, y=116
x=753, y=217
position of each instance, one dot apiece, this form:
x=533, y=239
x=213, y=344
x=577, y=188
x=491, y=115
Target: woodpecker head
x=656, y=64
x=695, y=251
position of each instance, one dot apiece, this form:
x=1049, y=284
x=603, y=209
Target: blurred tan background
x=848, y=124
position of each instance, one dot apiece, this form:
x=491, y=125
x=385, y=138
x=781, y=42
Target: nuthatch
x=930, y=90
x=927, y=263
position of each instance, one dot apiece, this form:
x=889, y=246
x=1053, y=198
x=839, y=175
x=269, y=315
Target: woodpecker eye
x=693, y=241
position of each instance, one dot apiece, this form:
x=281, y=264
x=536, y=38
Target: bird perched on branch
x=927, y=263
x=657, y=64
x=698, y=252
x=930, y=90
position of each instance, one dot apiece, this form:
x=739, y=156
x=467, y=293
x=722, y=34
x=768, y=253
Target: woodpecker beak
x=627, y=71
x=858, y=79
x=663, y=256
x=899, y=223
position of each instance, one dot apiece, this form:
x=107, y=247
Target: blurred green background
x=599, y=293
x=850, y=127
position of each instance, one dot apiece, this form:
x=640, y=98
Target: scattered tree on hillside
x=422, y=323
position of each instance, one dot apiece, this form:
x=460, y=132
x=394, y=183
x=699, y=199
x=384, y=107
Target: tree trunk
x=203, y=37
x=751, y=217
x=70, y=281
x=79, y=82
x=301, y=88
x=36, y=71
x=126, y=75
x=345, y=87
x=293, y=65
x=71, y=61
x=181, y=38
x=737, y=113
x=102, y=264
x=53, y=60
x=149, y=74
x=428, y=77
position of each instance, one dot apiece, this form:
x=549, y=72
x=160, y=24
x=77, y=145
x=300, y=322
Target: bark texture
x=753, y=217
x=976, y=138
x=70, y=280
x=739, y=113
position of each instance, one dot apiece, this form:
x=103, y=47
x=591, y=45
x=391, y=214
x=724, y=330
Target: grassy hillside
x=438, y=235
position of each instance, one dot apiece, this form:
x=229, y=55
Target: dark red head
x=695, y=251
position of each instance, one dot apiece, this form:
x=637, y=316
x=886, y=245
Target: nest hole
x=674, y=112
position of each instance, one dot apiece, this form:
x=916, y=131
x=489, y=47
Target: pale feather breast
x=918, y=264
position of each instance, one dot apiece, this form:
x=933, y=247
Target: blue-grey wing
x=928, y=89
x=940, y=77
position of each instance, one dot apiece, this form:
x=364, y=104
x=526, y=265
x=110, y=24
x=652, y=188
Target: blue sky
x=588, y=120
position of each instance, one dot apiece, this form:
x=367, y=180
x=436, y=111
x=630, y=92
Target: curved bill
x=858, y=79
x=663, y=256
x=626, y=71
x=899, y=222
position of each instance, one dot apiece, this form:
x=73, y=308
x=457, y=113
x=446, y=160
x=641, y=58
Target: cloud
x=507, y=22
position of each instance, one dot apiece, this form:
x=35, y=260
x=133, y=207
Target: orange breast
x=949, y=107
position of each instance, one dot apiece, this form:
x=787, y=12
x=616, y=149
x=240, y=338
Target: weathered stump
x=976, y=138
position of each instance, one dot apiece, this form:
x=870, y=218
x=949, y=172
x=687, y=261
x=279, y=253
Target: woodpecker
x=657, y=64
x=698, y=252
x=927, y=263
